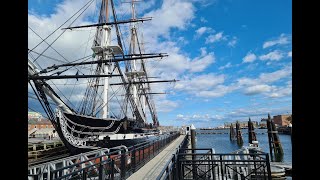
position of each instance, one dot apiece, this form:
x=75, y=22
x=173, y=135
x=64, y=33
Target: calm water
x=222, y=144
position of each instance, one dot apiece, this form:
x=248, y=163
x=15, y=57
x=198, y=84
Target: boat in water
x=118, y=100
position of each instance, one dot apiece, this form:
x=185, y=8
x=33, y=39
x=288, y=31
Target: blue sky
x=233, y=58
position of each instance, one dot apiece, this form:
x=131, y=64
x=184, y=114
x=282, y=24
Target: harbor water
x=220, y=141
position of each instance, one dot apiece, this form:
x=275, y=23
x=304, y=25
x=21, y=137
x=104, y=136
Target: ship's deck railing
x=116, y=163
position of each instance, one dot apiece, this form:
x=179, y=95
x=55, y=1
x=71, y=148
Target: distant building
x=263, y=123
x=243, y=124
x=281, y=120
x=227, y=125
x=255, y=124
x=35, y=124
x=34, y=115
x=166, y=128
x=41, y=128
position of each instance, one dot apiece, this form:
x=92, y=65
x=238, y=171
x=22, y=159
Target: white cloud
x=182, y=62
x=125, y=8
x=172, y=14
x=201, y=63
x=165, y=105
x=261, y=84
x=195, y=118
x=180, y=116
x=233, y=42
x=266, y=77
x=250, y=57
x=257, y=89
x=228, y=65
x=218, y=91
x=202, y=30
x=282, y=91
x=274, y=76
x=258, y=113
x=203, y=51
x=198, y=83
x=273, y=56
x=290, y=54
x=282, y=40
x=202, y=19
x=212, y=86
x=215, y=38
x=205, y=3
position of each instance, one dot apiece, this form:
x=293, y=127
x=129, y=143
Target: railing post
x=221, y=168
x=268, y=166
x=123, y=164
x=255, y=165
x=133, y=159
x=212, y=164
x=36, y=177
x=153, y=148
x=178, y=167
x=112, y=169
x=101, y=173
x=173, y=161
x=139, y=155
x=143, y=155
x=84, y=174
x=149, y=147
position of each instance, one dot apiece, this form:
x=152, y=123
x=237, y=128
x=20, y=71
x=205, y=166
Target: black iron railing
x=118, y=164
x=208, y=165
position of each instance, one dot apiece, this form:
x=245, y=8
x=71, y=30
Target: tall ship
x=117, y=102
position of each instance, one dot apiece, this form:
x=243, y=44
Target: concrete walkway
x=153, y=168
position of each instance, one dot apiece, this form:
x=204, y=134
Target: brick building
x=43, y=123
x=281, y=120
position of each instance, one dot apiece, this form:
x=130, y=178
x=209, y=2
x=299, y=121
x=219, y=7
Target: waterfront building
x=41, y=124
x=282, y=120
x=34, y=115
x=263, y=123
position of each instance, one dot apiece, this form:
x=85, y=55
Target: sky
x=233, y=58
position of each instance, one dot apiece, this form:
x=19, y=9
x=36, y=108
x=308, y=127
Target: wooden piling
x=251, y=134
x=239, y=135
x=232, y=133
x=274, y=142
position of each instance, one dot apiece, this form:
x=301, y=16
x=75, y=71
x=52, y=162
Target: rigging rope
x=61, y=25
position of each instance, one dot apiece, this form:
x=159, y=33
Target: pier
x=106, y=163
x=39, y=149
x=154, y=168
x=167, y=158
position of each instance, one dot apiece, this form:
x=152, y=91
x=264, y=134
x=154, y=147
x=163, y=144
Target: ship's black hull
x=119, y=126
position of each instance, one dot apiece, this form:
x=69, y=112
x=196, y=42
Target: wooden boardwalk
x=153, y=168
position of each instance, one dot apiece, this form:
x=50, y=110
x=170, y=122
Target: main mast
x=132, y=51
x=105, y=42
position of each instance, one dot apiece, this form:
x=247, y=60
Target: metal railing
x=118, y=164
x=208, y=165
x=169, y=172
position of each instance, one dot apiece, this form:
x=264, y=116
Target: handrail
x=146, y=151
